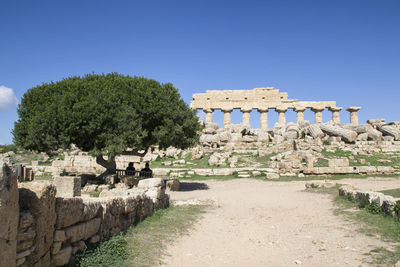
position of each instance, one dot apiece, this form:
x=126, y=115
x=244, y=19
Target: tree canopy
x=106, y=113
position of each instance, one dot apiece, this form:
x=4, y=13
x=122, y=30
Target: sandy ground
x=258, y=223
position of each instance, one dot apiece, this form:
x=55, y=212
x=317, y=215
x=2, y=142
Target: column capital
x=262, y=109
x=316, y=109
x=299, y=109
x=281, y=109
x=333, y=109
x=208, y=110
x=353, y=109
x=246, y=109
x=226, y=110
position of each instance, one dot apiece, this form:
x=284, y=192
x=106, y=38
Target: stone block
x=151, y=182
x=67, y=186
x=59, y=236
x=272, y=175
x=39, y=198
x=82, y=231
x=56, y=247
x=223, y=171
x=203, y=172
x=9, y=214
x=69, y=211
x=91, y=209
x=340, y=162
x=62, y=257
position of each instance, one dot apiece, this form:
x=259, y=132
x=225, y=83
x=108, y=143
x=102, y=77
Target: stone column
x=353, y=115
x=263, y=118
x=318, y=114
x=335, y=114
x=246, y=116
x=281, y=115
x=227, y=117
x=209, y=118
x=300, y=114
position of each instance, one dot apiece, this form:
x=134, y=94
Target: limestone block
x=9, y=213
x=315, y=131
x=236, y=137
x=385, y=169
x=390, y=131
x=388, y=205
x=290, y=135
x=272, y=175
x=340, y=162
x=25, y=239
x=151, y=182
x=59, y=236
x=94, y=239
x=161, y=172
x=91, y=209
x=20, y=261
x=82, y=231
x=367, y=169
x=56, y=247
x=67, y=186
x=155, y=193
x=224, y=171
x=69, y=211
x=62, y=257
x=203, y=172
x=173, y=185
x=362, y=137
x=25, y=220
x=39, y=198
x=333, y=130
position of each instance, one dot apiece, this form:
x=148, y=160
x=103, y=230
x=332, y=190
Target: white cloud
x=8, y=100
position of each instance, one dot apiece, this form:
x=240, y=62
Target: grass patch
x=392, y=192
x=373, y=223
x=94, y=193
x=195, y=163
x=44, y=176
x=145, y=243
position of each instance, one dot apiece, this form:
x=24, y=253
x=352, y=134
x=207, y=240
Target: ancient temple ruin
x=264, y=99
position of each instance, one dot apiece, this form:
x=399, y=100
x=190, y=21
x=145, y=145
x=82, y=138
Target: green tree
x=104, y=115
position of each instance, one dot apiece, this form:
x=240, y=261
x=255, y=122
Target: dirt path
x=261, y=223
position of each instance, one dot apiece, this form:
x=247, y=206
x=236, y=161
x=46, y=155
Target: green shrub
x=111, y=252
x=8, y=148
x=374, y=208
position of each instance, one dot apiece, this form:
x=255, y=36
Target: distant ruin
x=264, y=99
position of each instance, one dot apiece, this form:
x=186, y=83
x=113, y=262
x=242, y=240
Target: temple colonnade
x=282, y=115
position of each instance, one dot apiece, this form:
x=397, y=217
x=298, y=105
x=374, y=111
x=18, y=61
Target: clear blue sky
x=344, y=50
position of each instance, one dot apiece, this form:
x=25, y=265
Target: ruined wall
x=8, y=215
x=39, y=229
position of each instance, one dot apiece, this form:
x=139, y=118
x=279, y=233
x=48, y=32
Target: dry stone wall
x=40, y=229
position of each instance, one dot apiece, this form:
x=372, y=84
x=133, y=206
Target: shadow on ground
x=192, y=186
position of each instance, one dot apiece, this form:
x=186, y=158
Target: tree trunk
x=109, y=164
x=346, y=135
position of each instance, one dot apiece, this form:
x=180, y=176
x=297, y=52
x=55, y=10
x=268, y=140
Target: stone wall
x=40, y=229
x=8, y=215
x=83, y=163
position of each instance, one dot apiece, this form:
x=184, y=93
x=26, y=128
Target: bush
x=374, y=208
x=8, y=148
x=111, y=252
